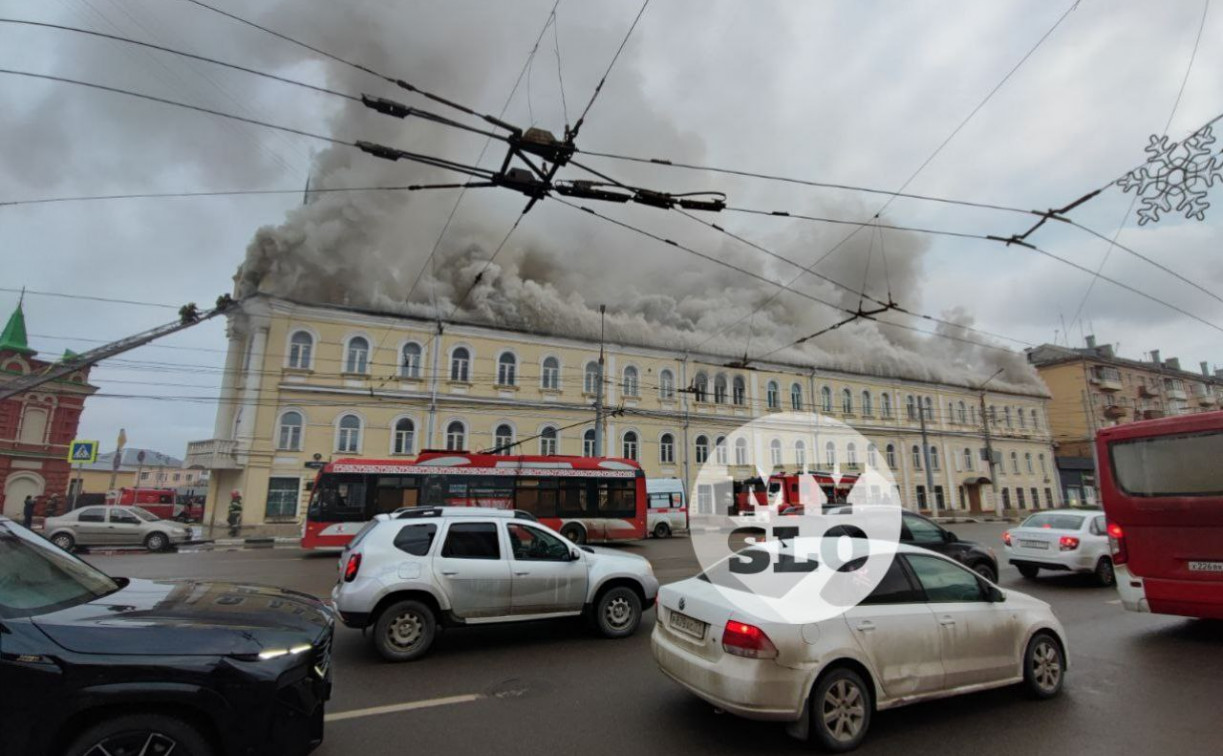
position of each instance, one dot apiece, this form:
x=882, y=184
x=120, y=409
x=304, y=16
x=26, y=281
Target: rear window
x=416, y=539
x=1054, y=521
x=1182, y=465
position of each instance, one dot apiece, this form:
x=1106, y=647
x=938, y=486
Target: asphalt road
x=1137, y=684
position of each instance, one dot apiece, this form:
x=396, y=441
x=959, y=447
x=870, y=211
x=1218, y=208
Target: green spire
x=14, y=338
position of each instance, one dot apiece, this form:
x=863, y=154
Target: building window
x=830, y=455
x=740, y=451
x=283, y=494
x=349, y=437
x=872, y=452
x=460, y=365
x=357, y=359
x=951, y=418
x=630, y=445
x=550, y=376
x=911, y=407
x=933, y=457
x=719, y=389
x=962, y=412
x=847, y=402
x=507, y=369
x=967, y=459
x=796, y=397
x=993, y=415
x=1043, y=470
x=916, y=451
x=631, y=385
x=890, y=453
x=775, y=452
x=800, y=454
x=666, y=449
x=868, y=405
x=456, y=436
x=547, y=442
x=144, y=475
x=702, y=449
x=738, y=392
x=700, y=387
x=588, y=443
x=1006, y=414
x=1023, y=423
x=929, y=409
x=825, y=399
x=666, y=385
x=771, y=395
x=409, y=365
x=503, y=438
x=404, y=439
x=1028, y=458
x=590, y=378
x=1019, y=497
x=1049, y=498
x=301, y=348
x=290, y=436
x=1035, y=420
x=1015, y=462
x=851, y=454
x=885, y=406
x=1035, y=498
x=921, y=497
x=1006, y=498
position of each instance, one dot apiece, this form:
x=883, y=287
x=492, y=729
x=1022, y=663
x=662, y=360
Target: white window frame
x=290, y=347
x=507, y=372
x=466, y=434
x=636, y=444
x=369, y=353
x=418, y=369
x=340, y=432
x=396, y=450
x=497, y=439
x=549, y=446
x=666, y=448
x=666, y=385
x=630, y=387
x=301, y=431
x=546, y=372
x=465, y=375
x=701, y=448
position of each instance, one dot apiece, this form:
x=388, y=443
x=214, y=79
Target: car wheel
x=618, y=612
x=1105, y=575
x=404, y=631
x=662, y=530
x=140, y=734
x=64, y=541
x=156, y=542
x=1044, y=666
x=574, y=532
x=840, y=710
x=986, y=570
x=1027, y=570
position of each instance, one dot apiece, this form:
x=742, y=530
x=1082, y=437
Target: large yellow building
x=317, y=382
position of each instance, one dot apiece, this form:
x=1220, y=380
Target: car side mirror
x=949, y=537
x=996, y=595
x=574, y=555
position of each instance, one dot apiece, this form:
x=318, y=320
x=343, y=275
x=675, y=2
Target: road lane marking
x=1114, y=601
x=395, y=708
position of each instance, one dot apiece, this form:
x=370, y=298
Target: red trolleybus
x=584, y=498
x=1162, y=486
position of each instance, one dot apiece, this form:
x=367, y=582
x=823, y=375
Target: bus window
x=433, y=492
x=537, y=496
x=492, y=492
x=395, y=492
x=617, y=498
x=574, y=500
x=1181, y=465
x=341, y=498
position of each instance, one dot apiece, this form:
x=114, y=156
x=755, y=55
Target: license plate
x=1034, y=544
x=688, y=625
x=1206, y=566
x=197, y=533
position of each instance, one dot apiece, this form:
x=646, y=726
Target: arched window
x=868, y=404
x=301, y=350
x=631, y=385
x=460, y=365
x=962, y=413
x=911, y=407
x=872, y=452
x=702, y=449
x=933, y=457
x=740, y=451
x=507, y=369
x=916, y=451
x=720, y=450
x=290, y=436
x=630, y=445
x=847, y=401
x=967, y=459
x=719, y=389
x=885, y=407
x=929, y=409
x=1006, y=413
x=1035, y=420
x=825, y=399
x=666, y=449
x=800, y=454
x=1015, y=462
x=409, y=365
x=830, y=455
x=349, y=437
x=738, y=392
x=1043, y=470
x=890, y=453
x=405, y=436
x=588, y=443
x=1023, y=422
x=851, y=454
x=547, y=441
x=666, y=385
x=590, y=379
x=1027, y=457
x=796, y=397
x=951, y=418
x=503, y=438
x=550, y=375
x=700, y=387
x=993, y=415
x=357, y=359
x=775, y=452
x=771, y=395
x=456, y=436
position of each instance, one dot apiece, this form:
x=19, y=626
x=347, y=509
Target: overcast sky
x=855, y=93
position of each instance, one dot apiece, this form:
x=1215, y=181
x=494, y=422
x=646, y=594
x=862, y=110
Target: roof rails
x=404, y=513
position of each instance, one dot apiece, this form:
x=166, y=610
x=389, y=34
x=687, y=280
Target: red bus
x=791, y=490
x=584, y=498
x=1162, y=486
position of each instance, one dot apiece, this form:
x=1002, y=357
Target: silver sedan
x=114, y=526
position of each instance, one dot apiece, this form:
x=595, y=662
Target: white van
x=668, y=506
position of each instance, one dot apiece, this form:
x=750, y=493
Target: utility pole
x=931, y=501
x=989, y=454
x=599, y=388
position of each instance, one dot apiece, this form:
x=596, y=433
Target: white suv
x=1074, y=540
x=408, y=571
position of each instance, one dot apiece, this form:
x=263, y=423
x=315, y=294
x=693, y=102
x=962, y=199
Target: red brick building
x=36, y=427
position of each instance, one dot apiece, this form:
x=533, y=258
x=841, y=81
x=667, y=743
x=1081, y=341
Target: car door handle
x=865, y=626
x=946, y=621
x=450, y=573
x=520, y=574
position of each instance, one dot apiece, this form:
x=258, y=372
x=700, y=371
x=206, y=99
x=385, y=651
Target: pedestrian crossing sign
x=83, y=452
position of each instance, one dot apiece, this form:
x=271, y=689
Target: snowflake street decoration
x=1175, y=172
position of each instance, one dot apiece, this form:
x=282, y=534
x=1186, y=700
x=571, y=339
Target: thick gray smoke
x=369, y=249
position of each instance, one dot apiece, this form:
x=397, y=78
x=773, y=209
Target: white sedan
x=1066, y=540
x=931, y=628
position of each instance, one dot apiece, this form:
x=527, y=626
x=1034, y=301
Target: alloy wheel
x=844, y=710
x=405, y=631
x=1046, y=665
x=134, y=744
x=618, y=612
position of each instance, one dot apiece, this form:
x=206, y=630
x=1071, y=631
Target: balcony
x=1176, y=393
x=213, y=454
x=1207, y=398
x=1115, y=412
x=1147, y=392
x=1107, y=382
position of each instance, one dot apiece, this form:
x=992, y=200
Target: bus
x=668, y=510
x=1162, y=487
x=586, y=499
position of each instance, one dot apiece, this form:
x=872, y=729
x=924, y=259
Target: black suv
x=920, y=531
x=91, y=664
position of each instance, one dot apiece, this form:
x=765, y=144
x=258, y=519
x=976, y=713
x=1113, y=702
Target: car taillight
x=350, y=569
x=1068, y=543
x=1006, y=537
x=741, y=639
x=1116, y=544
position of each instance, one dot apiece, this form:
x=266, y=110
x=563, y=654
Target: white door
x=979, y=638
x=898, y=633
x=18, y=486
x=473, y=571
x=545, y=579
